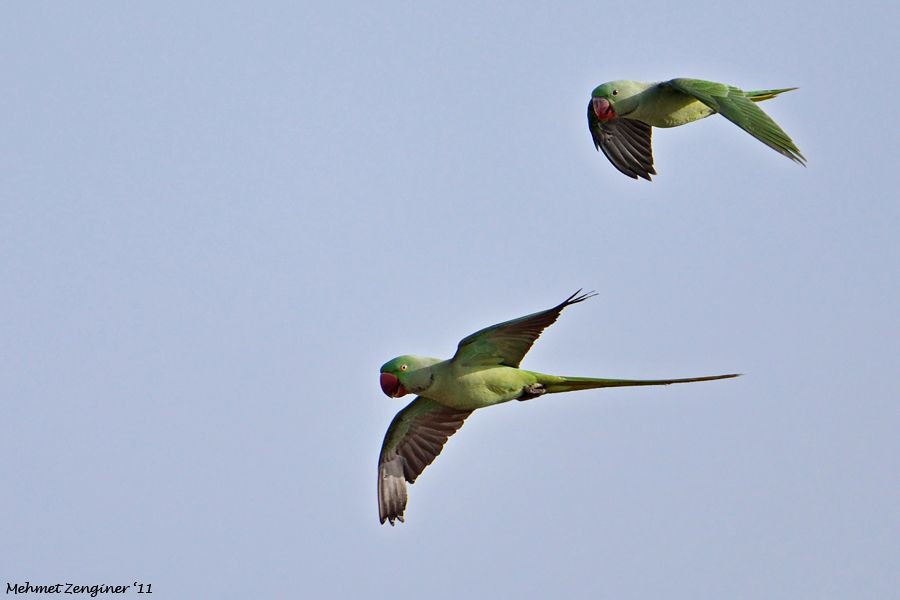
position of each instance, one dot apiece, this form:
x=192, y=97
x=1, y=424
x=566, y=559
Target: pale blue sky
x=219, y=220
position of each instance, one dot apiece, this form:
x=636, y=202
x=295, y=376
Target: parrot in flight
x=483, y=372
x=621, y=114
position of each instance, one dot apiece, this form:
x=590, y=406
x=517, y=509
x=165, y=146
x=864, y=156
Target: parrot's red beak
x=390, y=385
x=603, y=109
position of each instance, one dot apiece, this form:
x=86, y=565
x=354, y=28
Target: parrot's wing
x=416, y=436
x=625, y=142
x=734, y=104
x=507, y=343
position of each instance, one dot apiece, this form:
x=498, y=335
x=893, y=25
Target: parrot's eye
x=615, y=92
x=403, y=367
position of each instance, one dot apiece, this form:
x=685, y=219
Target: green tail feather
x=760, y=95
x=555, y=384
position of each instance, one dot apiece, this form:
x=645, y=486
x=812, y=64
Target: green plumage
x=483, y=372
x=622, y=113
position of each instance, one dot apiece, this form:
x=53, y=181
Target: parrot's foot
x=532, y=391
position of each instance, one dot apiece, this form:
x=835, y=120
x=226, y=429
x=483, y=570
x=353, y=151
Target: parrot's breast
x=670, y=108
x=478, y=387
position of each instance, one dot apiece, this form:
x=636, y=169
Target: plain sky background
x=218, y=220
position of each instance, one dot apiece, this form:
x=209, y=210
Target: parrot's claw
x=532, y=391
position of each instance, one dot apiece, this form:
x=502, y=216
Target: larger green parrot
x=621, y=114
x=483, y=372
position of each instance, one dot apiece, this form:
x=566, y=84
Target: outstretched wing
x=625, y=142
x=734, y=104
x=414, y=439
x=507, y=343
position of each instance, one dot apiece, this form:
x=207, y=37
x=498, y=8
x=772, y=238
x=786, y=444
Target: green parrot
x=483, y=372
x=621, y=114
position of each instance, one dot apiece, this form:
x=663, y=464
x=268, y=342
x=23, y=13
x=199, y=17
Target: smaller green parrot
x=483, y=372
x=621, y=114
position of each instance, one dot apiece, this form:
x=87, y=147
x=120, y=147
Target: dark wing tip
x=391, y=492
x=577, y=297
x=391, y=519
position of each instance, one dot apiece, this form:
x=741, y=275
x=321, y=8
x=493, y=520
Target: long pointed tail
x=555, y=384
x=760, y=95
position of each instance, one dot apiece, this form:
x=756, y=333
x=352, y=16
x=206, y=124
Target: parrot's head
x=603, y=100
x=407, y=374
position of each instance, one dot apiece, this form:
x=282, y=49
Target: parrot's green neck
x=629, y=96
x=420, y=378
